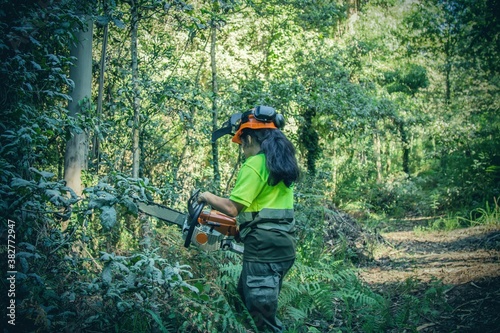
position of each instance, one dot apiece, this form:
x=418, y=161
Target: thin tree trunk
x=309, y=138
x=448, y=47
x=102, y=70
x=215, y=92
x=389, y=152
x=406, y=148
x=448, y=83
x=378, y=160
x=188, y=126
x=76, y=154
x=335, y=167
x=353, y=8
x=136, y=102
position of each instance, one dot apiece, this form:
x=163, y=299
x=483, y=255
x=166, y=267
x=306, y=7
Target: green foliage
x=330, y=293
x=320, y=15
x=407, y=80
x=368, y=93
x=310, y=140
x=215, y=305
x=309, y=292
x=136, y=283
x=398, y=197
x=413, y=308
x=487, y=215
x=310, y=223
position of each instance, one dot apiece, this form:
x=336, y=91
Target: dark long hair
x=280, y=155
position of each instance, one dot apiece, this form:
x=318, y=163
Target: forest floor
x=466, y=261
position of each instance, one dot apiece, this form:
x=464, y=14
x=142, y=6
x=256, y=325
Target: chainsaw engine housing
x=206, y=238
x=212, y=230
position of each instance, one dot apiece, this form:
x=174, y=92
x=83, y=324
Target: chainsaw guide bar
x=208, y=229
x=162, y=212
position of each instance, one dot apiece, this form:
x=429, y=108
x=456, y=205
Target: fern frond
x=323, y=301
x=296, y=314
x=230, y=272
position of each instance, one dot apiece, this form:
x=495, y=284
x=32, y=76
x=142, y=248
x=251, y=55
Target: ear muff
x=264, y=113
x=279, y=121
x=268, y=114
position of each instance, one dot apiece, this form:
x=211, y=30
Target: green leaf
x=119, y=23
x=44, y=174
x=131, y=206
x=106, y=275
x=19, y=182
x=158, y=321
x=102, y=20
x=102, y=199
x=108, y=217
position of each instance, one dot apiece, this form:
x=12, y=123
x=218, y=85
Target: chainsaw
x=207, y=229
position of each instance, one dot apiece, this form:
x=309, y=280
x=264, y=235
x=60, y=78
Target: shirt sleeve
x=248, y=186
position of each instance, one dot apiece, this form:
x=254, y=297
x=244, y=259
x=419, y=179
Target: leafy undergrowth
x=96, y=265
x=166, y=288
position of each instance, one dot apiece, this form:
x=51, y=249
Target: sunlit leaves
x=407, y=80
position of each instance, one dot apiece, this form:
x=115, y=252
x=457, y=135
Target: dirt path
x=466, y=260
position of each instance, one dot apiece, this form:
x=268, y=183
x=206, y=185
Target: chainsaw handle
x=195, y=208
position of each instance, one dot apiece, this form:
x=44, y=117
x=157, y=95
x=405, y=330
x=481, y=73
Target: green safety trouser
x=259, y=287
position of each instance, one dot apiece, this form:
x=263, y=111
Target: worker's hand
x=202, y=197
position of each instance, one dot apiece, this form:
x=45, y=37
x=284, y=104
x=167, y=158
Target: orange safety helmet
x=257, y=118
x=251, y=123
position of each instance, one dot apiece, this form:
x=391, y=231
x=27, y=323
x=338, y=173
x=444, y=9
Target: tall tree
x=104, y=21
x=436, y=28
x=215, y=92
x=75, y=159
x=216, y=21
x=136, y=103
x=406, y=82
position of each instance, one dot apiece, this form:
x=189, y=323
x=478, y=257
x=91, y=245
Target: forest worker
x=262, y=198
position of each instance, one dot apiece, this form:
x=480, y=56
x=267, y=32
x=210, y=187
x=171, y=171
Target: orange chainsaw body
x=213, y=223
x=220, y=222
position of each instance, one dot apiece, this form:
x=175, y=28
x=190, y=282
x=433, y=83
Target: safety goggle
x=265, y=114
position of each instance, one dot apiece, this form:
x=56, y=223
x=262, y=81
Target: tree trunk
x=388, y=161
x=448, y=51
x=353, y=8
x=76, y=155
x=215, y=92
x=102, y=69
x=136, y=101
x=335, y=168
x=447, y=96
x=378, y=160
x=406, y=148
x=309, y=138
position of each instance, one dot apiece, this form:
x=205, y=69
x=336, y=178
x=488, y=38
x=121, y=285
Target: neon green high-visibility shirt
x=267, y=223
